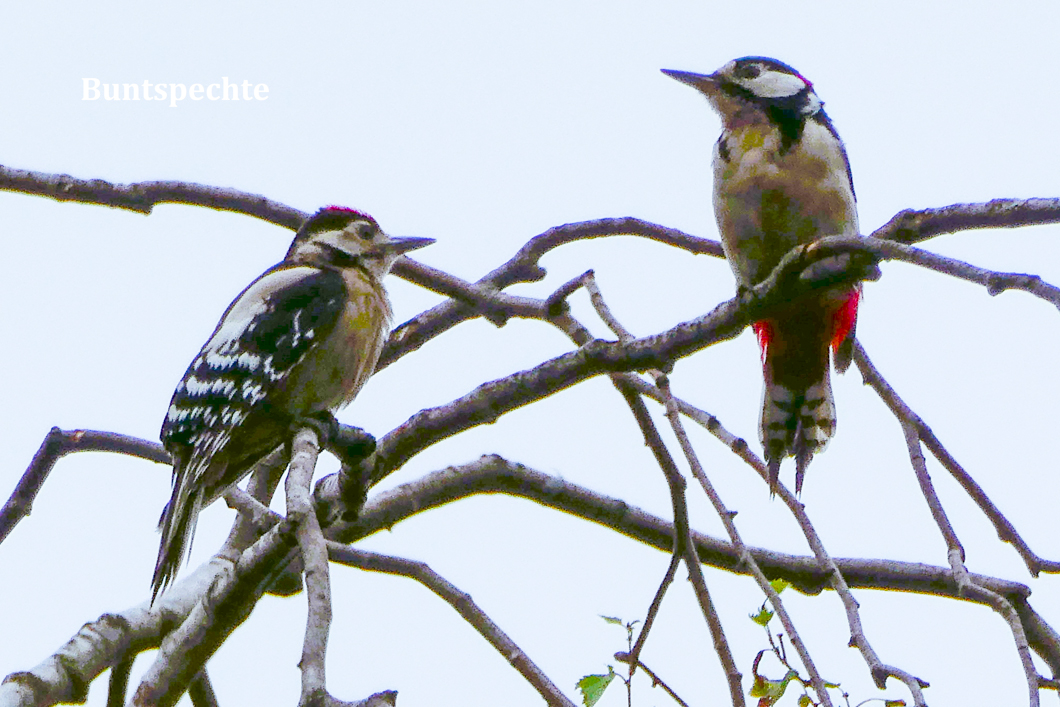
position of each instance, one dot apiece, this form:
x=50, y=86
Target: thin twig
x=955, y=553
x=464, y=605
x=603, y=311
x=653, y=611
x=580, y=335
x=674, y=416
x=494, y=305
x=683, y=544
x=837, y=577
x=1005, y=530
x=558, y=298
x=954, y=549
x=634, y=663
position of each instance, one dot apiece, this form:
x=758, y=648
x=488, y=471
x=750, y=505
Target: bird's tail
x=798, y=412
x=178, y=528
x=796, y=423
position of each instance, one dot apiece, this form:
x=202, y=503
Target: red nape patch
x=764, y=331
x=845, y=317
x=347, y=210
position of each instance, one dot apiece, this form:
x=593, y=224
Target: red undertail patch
x=845, y=317
x=764, y=332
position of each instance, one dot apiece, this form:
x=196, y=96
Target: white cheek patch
x=774, y=84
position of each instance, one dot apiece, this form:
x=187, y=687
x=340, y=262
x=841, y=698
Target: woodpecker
x=297, y=344
x=782, y=179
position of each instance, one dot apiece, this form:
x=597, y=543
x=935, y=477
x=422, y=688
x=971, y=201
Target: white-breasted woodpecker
x=298, y=343
x=781, y=179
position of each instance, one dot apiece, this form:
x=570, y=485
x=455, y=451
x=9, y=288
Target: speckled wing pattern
x=223, y=415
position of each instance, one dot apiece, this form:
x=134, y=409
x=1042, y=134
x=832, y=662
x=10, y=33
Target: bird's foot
x=323, y=423
x=350, y=444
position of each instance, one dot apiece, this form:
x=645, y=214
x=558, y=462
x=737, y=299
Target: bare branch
x=673, y=415
x=879, y=671
x=88, y=654
x=57, y=444
x=653, y=611
x=914, y=226
x=1005, y=530
x=119, y=683
x=141, y=197
x=221, y=607
x=524, y=267
x=463, y=604
x=683, y=545
x=105, y=643
x=807, y=574
x=201, y=691
x=495, y=306
x=300, y=511
x=490, y=400
x=421, y=572
x=634, y=663
x=955, y=552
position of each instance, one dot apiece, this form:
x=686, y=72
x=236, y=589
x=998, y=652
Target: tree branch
x=90, y=652
x=464, y=605
x=300, y=511
x=914, y=226
x=1005, y=530
x=141, y=197
x=58, y=444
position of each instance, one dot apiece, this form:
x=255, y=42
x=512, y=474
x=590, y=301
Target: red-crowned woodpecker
x=781, y=179
x=298, y=342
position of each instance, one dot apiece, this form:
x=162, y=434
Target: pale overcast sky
x=482, y=125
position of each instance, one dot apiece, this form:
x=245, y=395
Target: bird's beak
x=701, y=82
x=404, y=245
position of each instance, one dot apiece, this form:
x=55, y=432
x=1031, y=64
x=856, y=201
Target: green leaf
x=805, y=701
x=593, y=686
x=779, y=585
x=894, y=703
x=763, y=616
x=769, y=691
x=761, y=686
x=613, y=620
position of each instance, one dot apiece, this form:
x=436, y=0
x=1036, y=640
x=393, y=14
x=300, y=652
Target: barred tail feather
x=796, y=423
x=178, y=528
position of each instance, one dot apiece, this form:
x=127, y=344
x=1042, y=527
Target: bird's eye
x=747, y=71
x=369, y=233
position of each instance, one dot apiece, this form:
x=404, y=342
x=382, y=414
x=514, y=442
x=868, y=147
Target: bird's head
x=342, y=237
x=753, y=85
